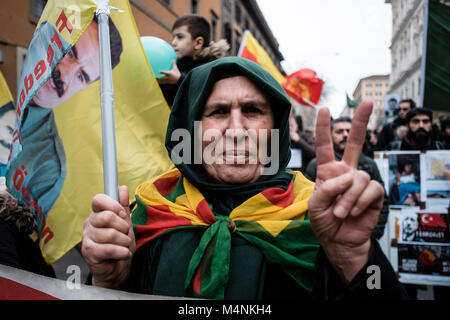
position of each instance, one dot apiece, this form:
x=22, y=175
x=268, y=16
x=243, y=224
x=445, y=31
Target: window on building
x=167, y=3
x=237, y=12
x=227, y=32
x=214, y=20
x=368, y=85
x=21, y=54
x=194, y=6
x=237, y=38
x=36, y=8
x=227, y=4
x=246, y=23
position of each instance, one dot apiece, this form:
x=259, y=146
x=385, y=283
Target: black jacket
x=388, y=135
x=406, y=145
x=19, y=251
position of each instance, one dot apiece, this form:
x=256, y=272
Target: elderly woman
x=231, y=227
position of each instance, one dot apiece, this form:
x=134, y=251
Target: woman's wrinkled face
x=236, y=123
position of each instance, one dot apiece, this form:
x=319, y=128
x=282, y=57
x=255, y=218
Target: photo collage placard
x=417, y=232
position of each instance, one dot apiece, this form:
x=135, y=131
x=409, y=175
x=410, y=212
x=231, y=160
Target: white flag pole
x=107, y=103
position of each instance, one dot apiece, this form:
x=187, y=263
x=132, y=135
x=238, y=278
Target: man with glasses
x=388, y=133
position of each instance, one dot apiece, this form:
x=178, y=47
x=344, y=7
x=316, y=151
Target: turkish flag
x=432, y=220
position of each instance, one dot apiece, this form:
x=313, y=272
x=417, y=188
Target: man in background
x=388, y=133
x=419, y=135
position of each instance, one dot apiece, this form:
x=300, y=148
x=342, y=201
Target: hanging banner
x=56, y=163
x=435, y=87
x=417, y=236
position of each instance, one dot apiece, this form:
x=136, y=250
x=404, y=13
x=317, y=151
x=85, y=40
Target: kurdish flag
x=304, y=86
x=56, y=164
x=275, y=221
x=7, y=116
x=252, y=50
x=350, y=102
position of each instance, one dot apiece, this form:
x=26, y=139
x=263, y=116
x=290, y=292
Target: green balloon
x=159, y=53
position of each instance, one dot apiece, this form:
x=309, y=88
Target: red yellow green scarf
x=275, y=221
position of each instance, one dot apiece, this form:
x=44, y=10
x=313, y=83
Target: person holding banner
x=193, y=47
x=230, y=229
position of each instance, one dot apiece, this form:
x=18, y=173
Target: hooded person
x=232, y=234
x=225, y=230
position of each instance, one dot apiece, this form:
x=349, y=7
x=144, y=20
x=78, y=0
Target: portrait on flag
x=56, y=163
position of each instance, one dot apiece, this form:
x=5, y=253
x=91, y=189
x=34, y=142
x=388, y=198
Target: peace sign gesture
x=346, y=204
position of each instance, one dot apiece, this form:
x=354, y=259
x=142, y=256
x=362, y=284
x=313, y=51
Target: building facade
x=228, y=18
x=372, y=88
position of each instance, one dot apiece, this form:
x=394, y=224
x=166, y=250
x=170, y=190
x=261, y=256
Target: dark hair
x=411, y=102
x=414, y=112
x=340, y=119
x=299, y=120
x=197, y=26
x=115, y=42
x=12, y=210
x=445, y=122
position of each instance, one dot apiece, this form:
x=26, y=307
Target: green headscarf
x=188, y=107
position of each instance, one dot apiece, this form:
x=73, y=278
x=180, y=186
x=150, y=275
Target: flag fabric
x=304, y=86
x=7, y=116
x=275, y=221
x=56, y=164
x=252, y=50
x=17, y=284
x=435, y=91
x=350, y=102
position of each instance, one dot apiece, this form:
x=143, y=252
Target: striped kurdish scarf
x=275, y=221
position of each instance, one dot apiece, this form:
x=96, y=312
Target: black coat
x=19, y=251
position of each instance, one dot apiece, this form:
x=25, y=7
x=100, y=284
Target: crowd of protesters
x=413, y=129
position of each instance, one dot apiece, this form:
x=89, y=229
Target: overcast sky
x=342, y=41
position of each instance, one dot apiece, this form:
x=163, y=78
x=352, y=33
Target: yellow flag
x=6, y=123
x=252, y=50
x=56, y=164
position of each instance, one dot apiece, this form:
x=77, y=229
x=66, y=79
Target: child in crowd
x=193, y=47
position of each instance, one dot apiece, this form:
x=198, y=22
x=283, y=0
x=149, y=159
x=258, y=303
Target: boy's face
x=183, y=44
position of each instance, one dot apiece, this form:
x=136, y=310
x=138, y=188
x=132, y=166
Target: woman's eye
x=218, y=111
x=252, y=110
